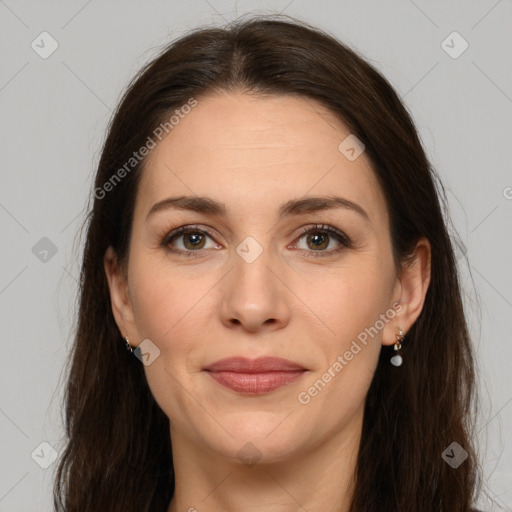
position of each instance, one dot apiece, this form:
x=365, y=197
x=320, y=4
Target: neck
x=319, y=478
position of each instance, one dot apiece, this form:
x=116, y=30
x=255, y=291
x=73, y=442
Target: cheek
x=350, y=299
x=349, y=306
x=166, y=306
x=163, y=297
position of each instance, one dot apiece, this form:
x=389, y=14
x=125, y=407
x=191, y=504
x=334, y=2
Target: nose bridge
x=251, y=273
x=251, y=264
x=255, y=294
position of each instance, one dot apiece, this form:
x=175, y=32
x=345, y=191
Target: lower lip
x=255, y=383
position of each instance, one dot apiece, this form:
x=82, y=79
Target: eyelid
x=327, y=228
x=187, y=228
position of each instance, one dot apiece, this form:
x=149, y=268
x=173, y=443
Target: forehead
x=250, y=151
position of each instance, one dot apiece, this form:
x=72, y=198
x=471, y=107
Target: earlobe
x=119, y=295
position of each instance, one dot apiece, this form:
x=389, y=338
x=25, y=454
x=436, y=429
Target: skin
x=254, y=154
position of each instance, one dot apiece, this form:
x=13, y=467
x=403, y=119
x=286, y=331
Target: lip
x=255, y=376
x=259, y=365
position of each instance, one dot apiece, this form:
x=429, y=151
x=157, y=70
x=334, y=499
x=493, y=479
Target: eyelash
x=343, y=239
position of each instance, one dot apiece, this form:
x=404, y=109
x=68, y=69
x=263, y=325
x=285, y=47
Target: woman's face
x=259, y=275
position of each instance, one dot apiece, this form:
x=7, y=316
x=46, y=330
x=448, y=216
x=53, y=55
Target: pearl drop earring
x=397, y=360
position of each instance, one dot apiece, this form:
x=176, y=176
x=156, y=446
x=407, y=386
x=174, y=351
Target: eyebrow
x=209, y=206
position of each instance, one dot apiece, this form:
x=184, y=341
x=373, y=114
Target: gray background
x=54, y=114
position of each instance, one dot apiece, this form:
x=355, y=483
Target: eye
x=318, y=238
x=192, y=240
x=187, y=240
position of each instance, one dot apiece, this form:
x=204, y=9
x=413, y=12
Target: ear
x=410, y=291
x=119, y=296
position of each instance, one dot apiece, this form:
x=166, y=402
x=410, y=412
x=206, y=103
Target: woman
x=266, y=239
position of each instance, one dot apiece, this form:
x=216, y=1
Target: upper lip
x=259, y=365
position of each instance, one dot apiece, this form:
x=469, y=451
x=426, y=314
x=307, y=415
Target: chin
x=262, y=439
x=264, y=451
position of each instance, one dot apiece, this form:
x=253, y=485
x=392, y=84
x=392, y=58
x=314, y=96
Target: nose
x=254, y=294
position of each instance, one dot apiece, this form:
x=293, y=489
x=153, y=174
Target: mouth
x=255, y=376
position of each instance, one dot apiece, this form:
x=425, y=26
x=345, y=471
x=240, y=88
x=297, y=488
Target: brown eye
x=193, y=240
x=188, y=240
x=319, y=238
x=317, y=241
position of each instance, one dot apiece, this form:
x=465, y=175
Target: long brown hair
x=118, y=451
